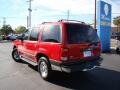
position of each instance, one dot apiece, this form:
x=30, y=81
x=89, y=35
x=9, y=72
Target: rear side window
x=51, y=33
x=34, y=34
x=78, y=33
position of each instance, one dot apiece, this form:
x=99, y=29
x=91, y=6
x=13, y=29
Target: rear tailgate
x=82, y=42
x=82, y=51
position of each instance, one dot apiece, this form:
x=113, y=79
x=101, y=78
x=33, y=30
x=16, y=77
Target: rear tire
x=44, y=68
x=15, y=55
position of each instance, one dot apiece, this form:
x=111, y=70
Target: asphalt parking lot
x=20, y=76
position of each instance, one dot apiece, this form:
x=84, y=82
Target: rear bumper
x=82, y=65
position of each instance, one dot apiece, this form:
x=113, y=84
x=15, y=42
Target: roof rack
x=46, y=22
x=62, y=20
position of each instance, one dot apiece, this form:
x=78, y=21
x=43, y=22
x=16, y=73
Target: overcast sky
x=16, y=11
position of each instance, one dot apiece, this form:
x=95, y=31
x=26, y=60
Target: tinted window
x=34, y=34
x=25, y=35
x=51, y=33
x=80, y=34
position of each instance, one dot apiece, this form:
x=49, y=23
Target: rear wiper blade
x=93, y=43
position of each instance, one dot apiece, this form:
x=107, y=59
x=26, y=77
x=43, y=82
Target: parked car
x=66, y=46
x=18, y=36
x=11, y=37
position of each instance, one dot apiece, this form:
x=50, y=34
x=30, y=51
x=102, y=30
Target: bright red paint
x=55, y=51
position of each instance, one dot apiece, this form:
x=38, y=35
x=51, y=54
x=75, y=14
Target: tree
x=20, y=29
x=6, y=29
x=116, y=21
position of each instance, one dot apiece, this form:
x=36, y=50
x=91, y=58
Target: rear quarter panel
x=52, y=50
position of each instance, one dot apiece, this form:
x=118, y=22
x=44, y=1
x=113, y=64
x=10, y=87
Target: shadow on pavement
x=33, y=67
x=97, y=79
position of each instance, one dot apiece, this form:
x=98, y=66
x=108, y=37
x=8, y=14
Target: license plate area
x=87, y=53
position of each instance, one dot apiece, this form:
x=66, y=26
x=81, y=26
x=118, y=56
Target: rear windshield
x=78, y=33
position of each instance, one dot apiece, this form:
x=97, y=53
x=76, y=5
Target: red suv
x=66, y=45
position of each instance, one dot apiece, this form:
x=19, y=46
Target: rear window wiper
x=93, y=43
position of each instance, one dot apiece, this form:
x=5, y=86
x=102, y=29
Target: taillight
x=64, y=54
x=99, y=45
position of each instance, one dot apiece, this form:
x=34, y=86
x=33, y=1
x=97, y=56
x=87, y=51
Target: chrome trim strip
x=29, y=61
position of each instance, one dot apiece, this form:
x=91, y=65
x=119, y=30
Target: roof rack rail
x=62, y=20
x=46, y=22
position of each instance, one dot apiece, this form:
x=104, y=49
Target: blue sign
x=104, y=24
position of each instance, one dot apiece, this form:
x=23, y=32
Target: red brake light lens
x=64, y=54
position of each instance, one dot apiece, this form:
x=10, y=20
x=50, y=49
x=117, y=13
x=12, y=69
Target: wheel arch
x=42, y=55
